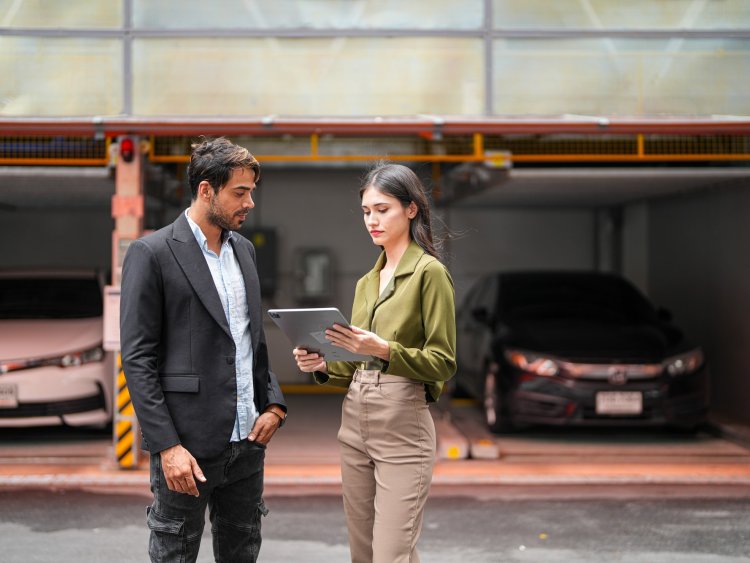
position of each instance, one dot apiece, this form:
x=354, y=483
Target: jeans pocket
x=256, y=526
x=167, y=539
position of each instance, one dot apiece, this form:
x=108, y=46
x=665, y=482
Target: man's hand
x=265, y=427
x=179, y=469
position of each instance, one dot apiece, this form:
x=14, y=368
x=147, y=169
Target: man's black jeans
x=233, y=493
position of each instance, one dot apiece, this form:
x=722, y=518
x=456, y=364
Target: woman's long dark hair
x=402, y=183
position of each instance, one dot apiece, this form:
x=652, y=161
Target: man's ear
x=204, y=190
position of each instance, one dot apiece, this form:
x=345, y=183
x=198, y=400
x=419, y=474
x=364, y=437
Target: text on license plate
x=8, y=396
x=619, y=402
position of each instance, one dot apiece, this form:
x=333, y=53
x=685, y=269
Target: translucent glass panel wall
x=621, y=14
x=621, y=76
x=60, y=76
x=61, y=13
x=312, y=76
x=312, y=14
x=374, y=57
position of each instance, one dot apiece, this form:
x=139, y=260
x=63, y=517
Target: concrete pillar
x=127, y=211
x=608, y=240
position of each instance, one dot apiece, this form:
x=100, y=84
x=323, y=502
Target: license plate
x=619, y=402
x=8, y=396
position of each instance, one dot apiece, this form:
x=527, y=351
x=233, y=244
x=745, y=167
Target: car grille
x=28, y=410
x=608, y=371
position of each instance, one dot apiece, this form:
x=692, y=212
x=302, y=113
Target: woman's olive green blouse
x=415, y=314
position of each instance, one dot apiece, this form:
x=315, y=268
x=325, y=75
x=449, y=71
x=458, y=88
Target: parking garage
x=618, y=161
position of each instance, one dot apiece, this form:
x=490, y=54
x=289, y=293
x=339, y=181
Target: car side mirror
x=481, y=315
x=664, y=315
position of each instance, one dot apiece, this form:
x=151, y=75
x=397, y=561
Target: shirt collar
x=198, y=233
x=406, y=265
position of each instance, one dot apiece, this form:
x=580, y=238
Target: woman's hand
x=307, y=362
x=359, y=341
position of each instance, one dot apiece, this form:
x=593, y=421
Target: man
x=196, y=363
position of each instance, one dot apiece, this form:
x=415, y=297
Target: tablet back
x=306, y=328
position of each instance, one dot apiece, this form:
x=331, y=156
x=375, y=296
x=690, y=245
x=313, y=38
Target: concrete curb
x=140, y=480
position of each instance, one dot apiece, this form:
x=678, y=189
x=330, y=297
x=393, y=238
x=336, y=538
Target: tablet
x=306, y=328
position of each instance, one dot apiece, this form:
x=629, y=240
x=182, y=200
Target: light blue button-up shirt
x=227, y=276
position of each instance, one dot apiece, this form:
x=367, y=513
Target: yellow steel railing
x=479, y=147
x=424, y=147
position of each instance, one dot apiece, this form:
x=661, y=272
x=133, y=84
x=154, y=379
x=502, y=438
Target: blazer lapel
x=252, y=287
x=190, y=258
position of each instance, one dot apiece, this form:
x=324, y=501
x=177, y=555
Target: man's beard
x=219, y=217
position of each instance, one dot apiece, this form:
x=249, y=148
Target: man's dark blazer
x=177, y=351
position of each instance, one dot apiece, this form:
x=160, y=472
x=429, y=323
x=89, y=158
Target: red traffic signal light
x=127, y=149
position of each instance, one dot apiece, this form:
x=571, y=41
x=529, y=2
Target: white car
x=53, y=369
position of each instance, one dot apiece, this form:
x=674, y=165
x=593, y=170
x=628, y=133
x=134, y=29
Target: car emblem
x=617, y=375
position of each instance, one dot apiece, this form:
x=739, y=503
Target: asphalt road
x=647, y=523
x=37, y=526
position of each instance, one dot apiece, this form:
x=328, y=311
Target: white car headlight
x=684, y=363
x=74, y=359
x=80, y=358
x=533, y=363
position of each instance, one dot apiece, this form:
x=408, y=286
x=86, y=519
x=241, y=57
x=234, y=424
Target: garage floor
x=305, y=453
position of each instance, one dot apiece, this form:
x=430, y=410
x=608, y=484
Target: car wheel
x=495, y=413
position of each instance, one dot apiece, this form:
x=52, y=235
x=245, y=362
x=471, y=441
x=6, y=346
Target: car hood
x=47, y=338
x=582, y=340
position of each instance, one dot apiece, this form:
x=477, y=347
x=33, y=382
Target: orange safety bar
x=539, y=158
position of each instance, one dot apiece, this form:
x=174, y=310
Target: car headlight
x=533, y=363
x=684, y=363
x=80, y=358
x=73, y=359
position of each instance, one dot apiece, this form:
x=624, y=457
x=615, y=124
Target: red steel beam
x=448, y=125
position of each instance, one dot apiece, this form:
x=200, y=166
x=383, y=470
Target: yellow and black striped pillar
x=127, y=211
x=126, y=425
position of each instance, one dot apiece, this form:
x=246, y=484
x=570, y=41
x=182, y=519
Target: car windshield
x=59, y=298
x=598, y=298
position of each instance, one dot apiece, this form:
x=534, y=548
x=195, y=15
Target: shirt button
x=230, y=361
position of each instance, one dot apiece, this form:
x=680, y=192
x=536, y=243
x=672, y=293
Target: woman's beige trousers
x=387, y=439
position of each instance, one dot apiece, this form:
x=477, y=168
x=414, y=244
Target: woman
x=404, y=317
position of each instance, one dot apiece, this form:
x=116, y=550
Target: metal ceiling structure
x=407, y=125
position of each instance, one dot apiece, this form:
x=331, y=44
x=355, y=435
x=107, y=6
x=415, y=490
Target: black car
x=576, y=348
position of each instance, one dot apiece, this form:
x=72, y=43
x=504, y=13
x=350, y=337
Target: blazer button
x=230, y=361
